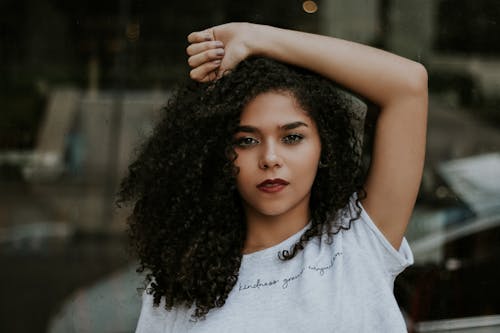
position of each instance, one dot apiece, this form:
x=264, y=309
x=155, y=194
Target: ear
x=322, y=165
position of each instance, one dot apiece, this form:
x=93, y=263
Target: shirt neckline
x=273, y=250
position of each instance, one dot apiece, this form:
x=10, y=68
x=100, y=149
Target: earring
x=322, y=164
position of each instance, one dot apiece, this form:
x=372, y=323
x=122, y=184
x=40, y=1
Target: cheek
x=307, y=166
x=243, y=160
x=308, y=158
x=305, y=170
x=244, y=165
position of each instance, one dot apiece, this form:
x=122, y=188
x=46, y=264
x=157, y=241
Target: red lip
x=276, y=181
x=272, y=185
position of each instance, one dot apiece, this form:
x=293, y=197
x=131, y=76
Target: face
x=278, y=149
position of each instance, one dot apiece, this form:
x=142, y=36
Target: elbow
x=418, y=80
x=411, y=86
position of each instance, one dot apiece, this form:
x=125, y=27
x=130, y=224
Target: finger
x=212, y=76
x=205, y=57
x=203, y=46
x=201, y=36
x=205, y=72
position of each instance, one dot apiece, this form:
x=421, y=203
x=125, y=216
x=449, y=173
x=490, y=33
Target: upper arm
x=397, y=162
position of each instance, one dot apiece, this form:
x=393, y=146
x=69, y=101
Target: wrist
x=256, y=38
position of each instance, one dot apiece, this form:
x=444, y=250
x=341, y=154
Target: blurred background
x=82, y=83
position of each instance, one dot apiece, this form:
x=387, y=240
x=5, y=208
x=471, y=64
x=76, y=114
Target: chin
x=271, y=211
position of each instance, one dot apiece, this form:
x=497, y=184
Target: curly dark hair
x=188, y=225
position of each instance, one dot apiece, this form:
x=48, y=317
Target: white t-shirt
x=345, y=286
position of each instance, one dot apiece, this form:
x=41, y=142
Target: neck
x=264, y=231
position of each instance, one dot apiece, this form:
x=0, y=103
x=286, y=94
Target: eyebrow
x=286, y=127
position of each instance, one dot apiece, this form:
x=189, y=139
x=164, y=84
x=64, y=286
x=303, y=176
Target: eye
x=292, y=139
x=246, y=142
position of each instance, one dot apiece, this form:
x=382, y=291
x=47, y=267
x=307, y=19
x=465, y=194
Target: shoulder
x=361, y=234
x=158, y=319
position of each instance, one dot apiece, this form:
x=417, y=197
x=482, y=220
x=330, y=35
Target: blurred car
x=454, y=284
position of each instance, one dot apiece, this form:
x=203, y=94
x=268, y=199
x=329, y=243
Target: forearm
x=382, y=77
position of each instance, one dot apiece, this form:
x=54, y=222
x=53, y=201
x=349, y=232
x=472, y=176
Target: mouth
x=272, y=185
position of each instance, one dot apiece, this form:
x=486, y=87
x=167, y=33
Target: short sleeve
x=372, y=239
x=152, y=319
x=157, y=319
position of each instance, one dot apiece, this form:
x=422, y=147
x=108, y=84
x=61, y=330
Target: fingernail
x=220, y=52
x=217, y=62
x=219, y=44
x=208, y=38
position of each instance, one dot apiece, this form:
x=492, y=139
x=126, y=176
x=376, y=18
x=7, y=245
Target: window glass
x=82, y=85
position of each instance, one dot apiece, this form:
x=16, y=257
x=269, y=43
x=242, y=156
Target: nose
x=270, y=157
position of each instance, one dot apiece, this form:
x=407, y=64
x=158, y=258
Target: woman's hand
x=218, y=49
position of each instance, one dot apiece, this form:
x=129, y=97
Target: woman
x=249, y=212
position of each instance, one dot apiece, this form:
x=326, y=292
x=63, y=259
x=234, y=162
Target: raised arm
x=397, y=85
